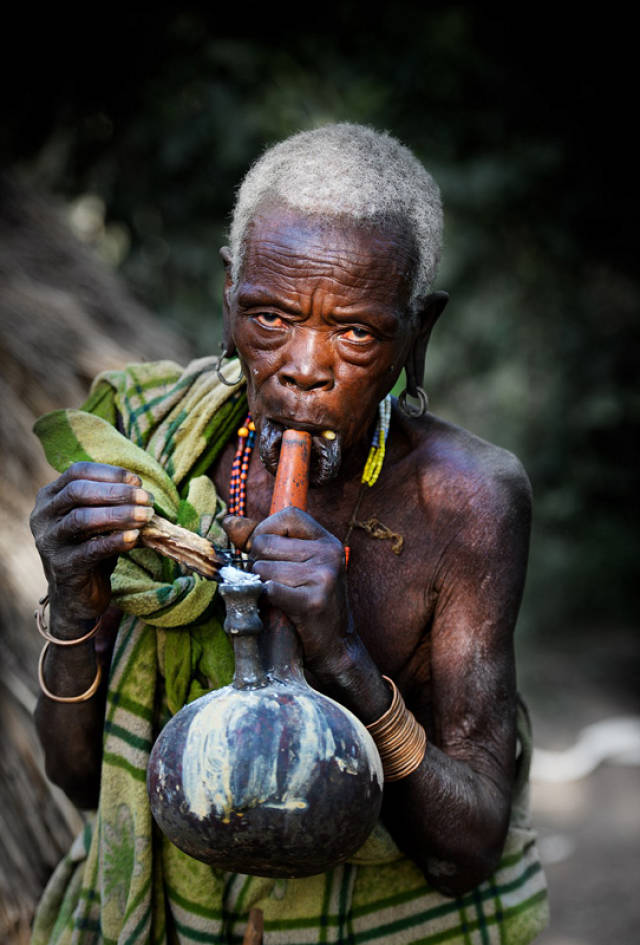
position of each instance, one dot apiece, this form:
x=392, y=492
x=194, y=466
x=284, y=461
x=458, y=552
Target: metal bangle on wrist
x=43, y=630
x=83, y=697
x=400, y=739
x=43, y=626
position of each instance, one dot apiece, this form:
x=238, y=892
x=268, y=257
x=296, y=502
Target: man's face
x=318, y=317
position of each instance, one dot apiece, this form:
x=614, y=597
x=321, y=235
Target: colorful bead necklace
x=240, y=468
x=375, y=459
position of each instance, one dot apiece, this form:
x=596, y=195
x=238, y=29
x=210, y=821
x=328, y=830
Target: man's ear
x=227, y=340
x=429, y=313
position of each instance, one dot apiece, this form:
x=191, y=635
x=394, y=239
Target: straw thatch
x=63, y=317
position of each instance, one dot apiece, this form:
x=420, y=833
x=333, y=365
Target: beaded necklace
x=240, y=468
x=370, y=473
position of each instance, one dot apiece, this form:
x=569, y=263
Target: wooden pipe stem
x=291, y=486
x=292, y=474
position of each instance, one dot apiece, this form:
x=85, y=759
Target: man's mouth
x=326, y=450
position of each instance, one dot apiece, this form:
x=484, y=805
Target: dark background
x=526, y=121
x=139, y=126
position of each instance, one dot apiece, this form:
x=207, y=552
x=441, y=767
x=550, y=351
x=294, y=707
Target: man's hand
x=303, y=566
x=81, y=522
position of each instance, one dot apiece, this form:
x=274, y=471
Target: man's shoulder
x=465, y=471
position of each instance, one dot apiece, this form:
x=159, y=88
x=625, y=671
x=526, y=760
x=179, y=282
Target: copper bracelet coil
x=399, y=737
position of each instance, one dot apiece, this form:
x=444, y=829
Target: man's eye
x=357, y=334
x=269, y=320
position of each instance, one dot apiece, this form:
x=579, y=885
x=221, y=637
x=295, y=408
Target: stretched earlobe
x=225, y=256
x=431, y=310
x=227, y=262
x=228, y=347
x=428, y=314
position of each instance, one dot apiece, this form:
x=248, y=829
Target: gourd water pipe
x=266, y=776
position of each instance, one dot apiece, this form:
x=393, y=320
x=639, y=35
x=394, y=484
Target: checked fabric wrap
x=122, y=881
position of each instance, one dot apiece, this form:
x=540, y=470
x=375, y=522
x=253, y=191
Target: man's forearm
x=70, y=733
x=355, y=682
x=448, y=817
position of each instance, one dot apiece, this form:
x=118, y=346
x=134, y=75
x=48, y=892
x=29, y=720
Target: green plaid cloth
x=122, y=881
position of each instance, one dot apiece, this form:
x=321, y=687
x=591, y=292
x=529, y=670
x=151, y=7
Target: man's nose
x=307, y=362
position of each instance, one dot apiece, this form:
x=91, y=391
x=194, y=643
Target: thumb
x=239, y=530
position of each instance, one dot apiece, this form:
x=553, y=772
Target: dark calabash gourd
x=266, y=776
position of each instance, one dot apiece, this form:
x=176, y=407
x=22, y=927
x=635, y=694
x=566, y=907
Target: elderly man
x=334, y=244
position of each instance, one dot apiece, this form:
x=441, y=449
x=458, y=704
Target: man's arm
x=452, y=815
x=81, y=522
x=71, y=733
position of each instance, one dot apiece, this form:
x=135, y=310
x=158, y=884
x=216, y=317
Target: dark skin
x=319, y=319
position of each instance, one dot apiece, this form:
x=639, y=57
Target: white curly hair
x=352, y=171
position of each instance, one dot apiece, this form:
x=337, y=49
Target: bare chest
x=391, y=592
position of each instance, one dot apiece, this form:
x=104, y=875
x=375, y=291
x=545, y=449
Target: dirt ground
x=588, y=826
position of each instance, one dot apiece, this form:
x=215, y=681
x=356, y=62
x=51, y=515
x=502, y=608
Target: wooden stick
x=255, y=928
x=179, y=543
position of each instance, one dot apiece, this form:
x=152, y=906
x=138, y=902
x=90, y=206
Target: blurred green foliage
x=519, y=119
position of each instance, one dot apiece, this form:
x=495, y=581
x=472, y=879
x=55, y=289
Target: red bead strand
x=240, y=468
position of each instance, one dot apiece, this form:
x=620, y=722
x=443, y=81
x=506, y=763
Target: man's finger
x=100, y=472
x=291, y=523
x=84, y=522
x=239, y=530
x=287, y=573
x=268, y=547
x=90, y=492
x=99, y=548
x=290, y=600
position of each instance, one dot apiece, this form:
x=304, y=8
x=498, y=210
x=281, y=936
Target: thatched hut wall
x=64, y=316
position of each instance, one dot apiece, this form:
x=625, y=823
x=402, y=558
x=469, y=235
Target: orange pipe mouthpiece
x=292, y=474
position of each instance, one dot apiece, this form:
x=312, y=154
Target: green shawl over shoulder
x=122, y=881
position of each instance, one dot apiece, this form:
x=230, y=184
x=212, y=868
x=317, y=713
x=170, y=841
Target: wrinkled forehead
x=377, y=249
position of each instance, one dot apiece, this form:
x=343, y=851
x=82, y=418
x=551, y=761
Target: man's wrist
x=67, y=619
x=354, y=680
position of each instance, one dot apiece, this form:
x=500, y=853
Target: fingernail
x=131, y=535
x=142, y=496
x=133, y=479
x=142, y=513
